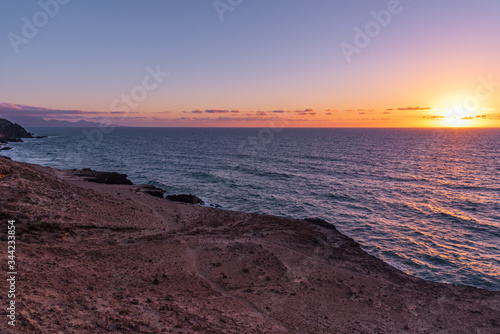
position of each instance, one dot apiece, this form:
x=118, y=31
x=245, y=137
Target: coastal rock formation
x=103, y=177
x=12, y=132
x=185, y=199
x=150, y=190
x=99, y=258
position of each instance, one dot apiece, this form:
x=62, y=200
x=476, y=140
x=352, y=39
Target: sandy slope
x=110, y=259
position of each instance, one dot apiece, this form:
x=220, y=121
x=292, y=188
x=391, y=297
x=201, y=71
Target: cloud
x=24, y=110
x=10, y=110
x=260, y=113
x=197, y=111
x=216, y=111
x=226, y=119
x=278, y=111
x=386, y=112
x=415, y=108
x=434, y=117
x=223, y=111
x=308, y=111
x=160, y=119
x=361, y=113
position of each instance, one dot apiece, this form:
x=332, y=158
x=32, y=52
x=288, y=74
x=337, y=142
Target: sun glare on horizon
x=458, y=117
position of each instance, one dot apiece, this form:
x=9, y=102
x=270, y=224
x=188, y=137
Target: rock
x=150, y=190
x=12, y=132
x=185, y=199
x=5, y=148
x=103, y=177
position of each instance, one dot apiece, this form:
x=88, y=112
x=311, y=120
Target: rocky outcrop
x=103, y=177
x=12, y=132
x=185, y=199
x=149, y=189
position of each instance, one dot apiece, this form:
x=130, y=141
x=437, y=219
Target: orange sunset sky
x=252, y=63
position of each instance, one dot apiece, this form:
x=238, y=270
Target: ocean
x=426, y=201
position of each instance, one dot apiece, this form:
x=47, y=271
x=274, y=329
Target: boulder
x=103, y=177
x=185, y=199
x=150, y=190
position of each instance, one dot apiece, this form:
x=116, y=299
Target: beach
x=96, y=258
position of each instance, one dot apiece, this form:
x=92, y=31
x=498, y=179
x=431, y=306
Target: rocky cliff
x=12, y=132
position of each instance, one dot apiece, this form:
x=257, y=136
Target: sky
x=251, y=63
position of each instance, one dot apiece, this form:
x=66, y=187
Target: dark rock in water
x=12, y=132
x=103, y=177
x=156, y=192
x=40, y=137
x=4, y=139
x=185, y=199
x=5, y=148
x=215, y=205
x=150, y=190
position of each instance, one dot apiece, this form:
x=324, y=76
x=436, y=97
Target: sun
x=457, y=116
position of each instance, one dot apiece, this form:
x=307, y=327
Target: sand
x=95, y=258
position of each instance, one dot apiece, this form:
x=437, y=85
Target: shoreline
x=113, y=257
